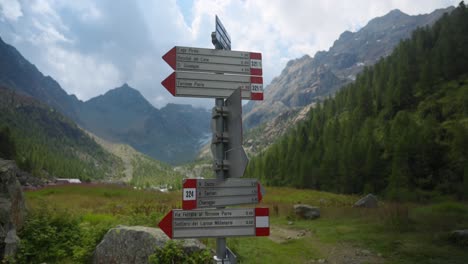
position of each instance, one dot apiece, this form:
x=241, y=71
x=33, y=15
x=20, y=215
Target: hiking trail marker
x=210, y=60
x=211, y=193
x=229, y=76
x=209, y=85
x=233, y=222
x=197, y=68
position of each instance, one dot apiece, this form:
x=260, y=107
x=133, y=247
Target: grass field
x=393, y=233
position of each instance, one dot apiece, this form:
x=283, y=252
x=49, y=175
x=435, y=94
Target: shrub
x=56, y=236
x=173, y=252
x=48, y=236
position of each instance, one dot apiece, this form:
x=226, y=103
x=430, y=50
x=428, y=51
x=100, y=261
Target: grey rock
x=323, y=201
x=134, y=244
x=306, y=211
x=368, y=201
x=363, y=252
x=459, y=237
x=12, y=208
x=29, y=181
x=11, y=243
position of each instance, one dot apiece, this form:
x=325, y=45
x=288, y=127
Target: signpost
x=209, y=60
x=208, y=85
x=220, y=38
x=210, y=193
x=229, y=76
x=216, y=223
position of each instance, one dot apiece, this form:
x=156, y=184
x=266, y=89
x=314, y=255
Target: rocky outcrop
x=368, y=201
x=28, y=181
x=12, y=208
x=460, y=237
x=134, y=244
x=305, y=211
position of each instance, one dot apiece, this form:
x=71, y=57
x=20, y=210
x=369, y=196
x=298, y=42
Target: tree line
x=401, y=129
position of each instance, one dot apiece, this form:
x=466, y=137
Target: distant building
x=63, y=181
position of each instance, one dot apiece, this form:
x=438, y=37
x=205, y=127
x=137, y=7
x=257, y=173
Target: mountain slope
x=50, y=145
x=19, y=74
x=170, y=134
x=141, y=170
x=308, y=80
x=400, y=129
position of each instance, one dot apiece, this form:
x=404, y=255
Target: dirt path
x=340, y=253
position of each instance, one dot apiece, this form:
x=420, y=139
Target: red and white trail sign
x=216, y=223
x=212, y=60
x=210, y=193
x=209, y=85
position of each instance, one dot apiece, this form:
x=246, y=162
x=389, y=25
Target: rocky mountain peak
x=124, y=97
x=307, y=80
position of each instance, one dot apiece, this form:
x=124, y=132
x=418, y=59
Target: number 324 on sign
x=190, y=194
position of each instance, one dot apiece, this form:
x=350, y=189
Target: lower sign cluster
x=209, y=193
x=216, y=223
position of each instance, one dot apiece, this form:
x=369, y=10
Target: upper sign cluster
x=211, y=73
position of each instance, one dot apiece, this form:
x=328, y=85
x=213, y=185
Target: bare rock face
x=134, y=244
x=368, y=201
x=306, y=211
x=460, y=237
x=12, y=208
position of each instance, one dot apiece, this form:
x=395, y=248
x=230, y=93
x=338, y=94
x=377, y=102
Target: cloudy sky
x=92, y=46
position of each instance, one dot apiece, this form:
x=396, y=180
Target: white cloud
x=92, y=46
x=83, y=75
x=47, y=34
x=10, y=9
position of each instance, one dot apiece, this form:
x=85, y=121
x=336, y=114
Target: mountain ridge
x=120, y=115
x=308, y=79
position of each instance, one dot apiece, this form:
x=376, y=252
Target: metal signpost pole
x=218, y=159
x=220, y=40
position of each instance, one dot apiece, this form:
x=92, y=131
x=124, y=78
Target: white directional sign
x=206, y=85
x=211, y=60
x=210, y=193
x=216, y=223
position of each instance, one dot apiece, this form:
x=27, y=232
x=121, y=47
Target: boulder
x=305, y=211
x=11, y=243
x=368, y=201
x=28, y=181
x=12, y=208
x=460, y=237
x=134, y=244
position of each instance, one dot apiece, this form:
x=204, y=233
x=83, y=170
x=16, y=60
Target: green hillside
x=47, y=144
x=400, y=129
x=141, y=170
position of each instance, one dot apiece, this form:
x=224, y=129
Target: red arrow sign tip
x=170, y=58
x=166, y=224
x=169, y=83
